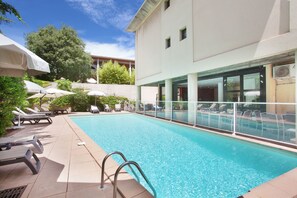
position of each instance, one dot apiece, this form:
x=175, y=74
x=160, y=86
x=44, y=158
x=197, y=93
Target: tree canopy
x=63, y=50
x=12, y=94
x=5, y=9
x=114, y=73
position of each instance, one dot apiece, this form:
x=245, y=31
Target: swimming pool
x=184, y=162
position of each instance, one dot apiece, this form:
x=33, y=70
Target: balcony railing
x=270, y=121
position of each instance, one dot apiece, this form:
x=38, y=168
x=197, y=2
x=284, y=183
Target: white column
x=97, y=70
x=168, y=98
x=192, y=98
x=130, y=69
x=293, y=15
x=220, y=92
x=138, y=97
x=295, y=99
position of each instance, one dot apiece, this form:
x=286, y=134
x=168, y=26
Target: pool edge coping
x=111, y=165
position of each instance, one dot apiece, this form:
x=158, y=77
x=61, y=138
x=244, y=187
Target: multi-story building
x=100, y=60
x=212, y=50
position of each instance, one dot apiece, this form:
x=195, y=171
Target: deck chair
x=94, y=109
x=20, y=154
x=289, y=126
x=107, y=108
x=270, y=124
x=8, y=142
x=33, y=119
x=117, y=107
x=32, y=111
x=24, y=113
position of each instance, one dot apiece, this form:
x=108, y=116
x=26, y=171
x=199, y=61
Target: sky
x=101, y=24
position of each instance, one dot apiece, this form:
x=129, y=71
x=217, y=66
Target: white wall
x=224, y=33
x=128, y=91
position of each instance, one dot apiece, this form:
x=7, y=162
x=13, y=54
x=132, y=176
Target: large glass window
x=233, y=83
x=251, y=81
x=251, y=86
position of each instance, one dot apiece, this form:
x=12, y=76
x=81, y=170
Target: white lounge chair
x=117, y=107
x=107, y=108
x=8, y=142
x=94, y=109
x=33, y=119
x=32, y=111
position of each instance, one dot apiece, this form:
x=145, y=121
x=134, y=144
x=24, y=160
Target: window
x=182, y=34
x=167, y=43
x=166, y=4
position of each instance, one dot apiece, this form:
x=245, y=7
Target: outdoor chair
x=24, y=113
x=32, y=111
x=107, y=108
x=32, y=119
x=8, y=142
x=199, y=106
x=156, y=107
x=289, y=126
x=117, y=107
x=94, y=109
x=20, y=154
x=270, y=124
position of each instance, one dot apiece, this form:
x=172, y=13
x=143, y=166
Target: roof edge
x=142, y=14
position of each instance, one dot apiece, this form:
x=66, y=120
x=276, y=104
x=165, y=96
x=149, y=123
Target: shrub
x=79, y=101
x=112, y=100
x=12, y=95
x=64, y=84
x=60, y=103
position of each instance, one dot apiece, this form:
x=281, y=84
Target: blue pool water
x=183, y=162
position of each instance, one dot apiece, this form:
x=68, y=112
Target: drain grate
x=12, y=192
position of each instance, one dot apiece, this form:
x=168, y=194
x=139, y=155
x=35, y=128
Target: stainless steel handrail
x=103, y=166
x=141, y=172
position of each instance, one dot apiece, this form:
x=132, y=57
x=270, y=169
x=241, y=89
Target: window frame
x=167, y=43
x=166, y=4
x=183, y=32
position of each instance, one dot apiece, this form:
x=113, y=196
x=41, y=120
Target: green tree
x=63, y=50
x=12, y=94
x=64, y=84
x=113, y=73
x=132, y=77
x=5, y=9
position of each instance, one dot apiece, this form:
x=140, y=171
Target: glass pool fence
x=273, y=121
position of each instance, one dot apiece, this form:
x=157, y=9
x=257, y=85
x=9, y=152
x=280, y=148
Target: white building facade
x=212, y=50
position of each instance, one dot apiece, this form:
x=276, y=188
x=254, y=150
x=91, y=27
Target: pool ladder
x=125, y=163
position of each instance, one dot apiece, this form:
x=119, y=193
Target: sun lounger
x=117, y=107
x=20, y=154
x=94, y=109
x=33, y=119
x=8, y=142
x=24, y=113
x=107, y=108
x=32, y=111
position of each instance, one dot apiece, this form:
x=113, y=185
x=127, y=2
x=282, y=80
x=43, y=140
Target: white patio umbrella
x=15, y=59
x=96, y=93
x=91, y=80
x=33, y=87
x=51, y=93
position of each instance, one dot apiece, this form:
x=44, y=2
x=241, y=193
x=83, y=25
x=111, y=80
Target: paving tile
x=145, y=195
x=286, y=184
x=266, y=190
x=93, y=192
x=27, y=191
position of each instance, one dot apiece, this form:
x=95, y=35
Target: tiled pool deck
x=69, y=170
